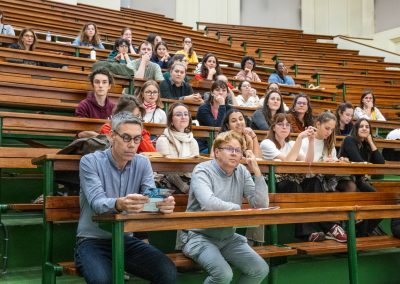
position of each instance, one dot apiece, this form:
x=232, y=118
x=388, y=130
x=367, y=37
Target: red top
x=144, y=146
x=89, y=108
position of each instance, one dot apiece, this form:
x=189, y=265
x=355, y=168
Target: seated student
x=27, y=40
x=89, y=36
x=161, y=55
x=344, y=117
x=177, y=141
x=120, y=54
x=367, y=108
x=213, y=111
x=278, y=146
x=359, y=146
x=130, y=104
x=5, y=29
x=126, y=33
x=272, y=87
x=247, y=65
x=117, y=59
x=113, y=181
x=188, y=51
x=176, y=87
x=143, y=68
x=273, y=104
x=209, y=69
x=280, y=75
x=154, y=39
x=97, y=104
x=176, y=58
x=323, y=151
x=248, y=96
x=235, y=120
x=221, y=184
x=392, y=154
x=300, y=113
x=150, y=98
x=231, y=98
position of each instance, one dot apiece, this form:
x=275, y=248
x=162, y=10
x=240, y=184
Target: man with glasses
x=221, y=184
x=112, y=182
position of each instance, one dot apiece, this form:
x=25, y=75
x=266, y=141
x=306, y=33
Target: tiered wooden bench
x=383, y=206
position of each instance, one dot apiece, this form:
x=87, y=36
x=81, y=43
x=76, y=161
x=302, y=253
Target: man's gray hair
x=122, y=118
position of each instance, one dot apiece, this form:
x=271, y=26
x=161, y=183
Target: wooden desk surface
x=140, y=222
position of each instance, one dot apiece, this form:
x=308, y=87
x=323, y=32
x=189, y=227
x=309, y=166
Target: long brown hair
x=279, y=117
x=84, y=38
x=21, y=35
x=329, y=143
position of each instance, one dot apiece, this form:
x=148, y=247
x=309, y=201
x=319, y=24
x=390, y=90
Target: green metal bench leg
x=50, y=272
x=118, y=252
x=352, y=249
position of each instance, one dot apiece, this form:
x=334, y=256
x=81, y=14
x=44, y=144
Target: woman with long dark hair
x=273, y=104
x=300, y=113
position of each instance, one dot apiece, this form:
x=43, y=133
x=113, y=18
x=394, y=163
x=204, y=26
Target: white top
x=319, y=153
x=159, y=116
x=270, y=151
x=251, y=102
x=360, y=113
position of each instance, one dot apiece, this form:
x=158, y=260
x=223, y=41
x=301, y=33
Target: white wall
x=217, y=11
x=333, y=17
x=271, y=13
x=387, y=15
x=163, y=7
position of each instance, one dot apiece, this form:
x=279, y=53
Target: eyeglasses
x=250, y=63
x=282, y=124
x=127, y=138
x=151, y=93
x=301, y=103
x=181, y=114
x=29, y=36
x=246, y=85
x=231, y=150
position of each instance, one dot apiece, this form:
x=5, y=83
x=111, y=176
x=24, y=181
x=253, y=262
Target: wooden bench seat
x=330, y=246
x=184, y=263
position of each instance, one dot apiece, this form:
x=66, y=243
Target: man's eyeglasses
x=127, y=138
x=151, y=93
x=232, y=150
x=181, y=114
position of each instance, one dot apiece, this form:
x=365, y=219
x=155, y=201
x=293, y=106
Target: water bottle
x=93, y=54
x=48, y=36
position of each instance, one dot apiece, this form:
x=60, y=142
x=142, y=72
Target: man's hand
x=251, y=162
x=131, y=203
x=146, y=58
x=167, y=205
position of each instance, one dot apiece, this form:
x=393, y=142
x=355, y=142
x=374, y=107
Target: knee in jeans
x=259, y=269
x=98, y=278
x=222, y=276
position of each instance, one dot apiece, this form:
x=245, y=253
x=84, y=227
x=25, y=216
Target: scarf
x=149, y=107
x=180, y=141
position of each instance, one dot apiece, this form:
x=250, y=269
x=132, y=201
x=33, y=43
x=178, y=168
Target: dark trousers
x=312, y=185
x=93, y=258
